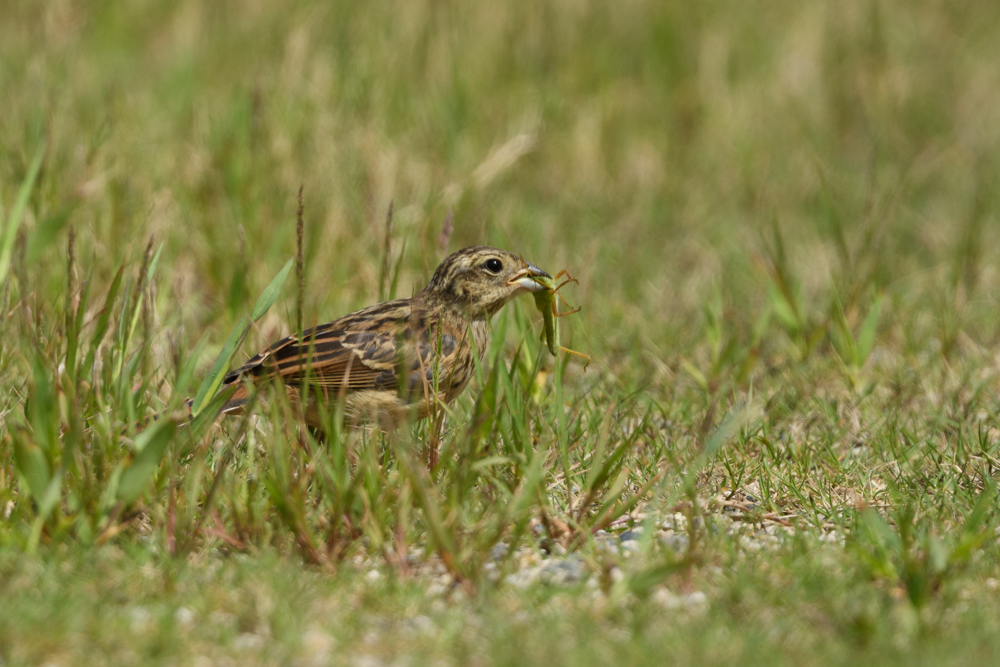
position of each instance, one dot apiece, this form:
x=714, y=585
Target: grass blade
x=210, y=385
x=151, y=445
x=13, y=221
x=214, y=379
x=270, y=293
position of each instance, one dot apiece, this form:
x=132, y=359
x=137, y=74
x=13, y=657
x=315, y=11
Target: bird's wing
x=360, y=351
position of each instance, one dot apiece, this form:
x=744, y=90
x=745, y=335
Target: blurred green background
x=648, y=147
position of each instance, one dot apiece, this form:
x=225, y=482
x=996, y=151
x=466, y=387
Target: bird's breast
x=481, y=337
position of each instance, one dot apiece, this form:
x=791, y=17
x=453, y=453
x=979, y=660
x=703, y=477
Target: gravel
x=616, y=551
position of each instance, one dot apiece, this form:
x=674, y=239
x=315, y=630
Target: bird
x=391, y=363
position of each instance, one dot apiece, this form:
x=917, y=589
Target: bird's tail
x=234, y=406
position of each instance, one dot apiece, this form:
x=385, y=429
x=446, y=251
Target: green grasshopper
x=548, y=305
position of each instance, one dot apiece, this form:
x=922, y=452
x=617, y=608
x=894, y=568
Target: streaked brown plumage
x=390, y=362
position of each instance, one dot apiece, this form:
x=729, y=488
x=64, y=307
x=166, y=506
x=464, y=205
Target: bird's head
x=480, y=280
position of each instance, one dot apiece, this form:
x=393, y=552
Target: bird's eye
x=493, y=265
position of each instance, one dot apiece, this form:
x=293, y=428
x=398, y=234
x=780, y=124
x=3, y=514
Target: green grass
x=784, y=224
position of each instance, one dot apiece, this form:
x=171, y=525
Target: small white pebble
x=435, y=589
x=140, y=617
x=184, y=616
x=247, y=641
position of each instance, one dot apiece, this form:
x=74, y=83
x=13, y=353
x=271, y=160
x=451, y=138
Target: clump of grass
x=355, y=492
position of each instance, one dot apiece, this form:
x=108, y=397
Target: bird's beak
x=526, y=278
